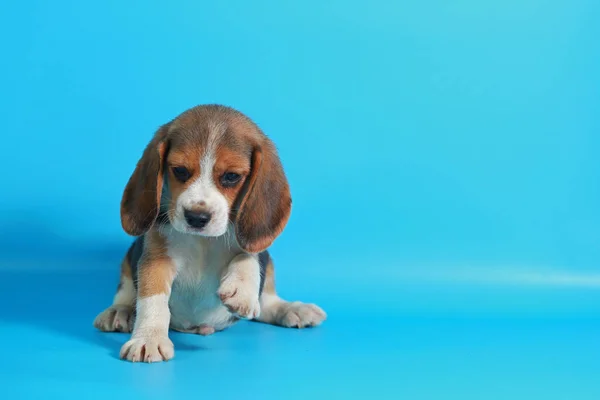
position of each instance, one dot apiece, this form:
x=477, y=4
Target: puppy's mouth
x=201, y=228
x=195, y=231
x=204, y=232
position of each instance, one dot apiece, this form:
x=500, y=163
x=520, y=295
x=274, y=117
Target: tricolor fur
x=206, y=200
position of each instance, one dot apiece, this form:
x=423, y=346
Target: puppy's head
x=208, y=167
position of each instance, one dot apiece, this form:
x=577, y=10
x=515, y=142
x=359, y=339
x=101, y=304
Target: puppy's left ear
x=265, y=203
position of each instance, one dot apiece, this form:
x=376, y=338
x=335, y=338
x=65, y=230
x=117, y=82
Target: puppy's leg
x=120, y=316
x=150, y=338
x=276, y=311
x=240, y=286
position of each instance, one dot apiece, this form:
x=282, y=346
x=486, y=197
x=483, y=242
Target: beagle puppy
x=206, y=200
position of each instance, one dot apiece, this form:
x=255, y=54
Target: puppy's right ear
x=141, y=199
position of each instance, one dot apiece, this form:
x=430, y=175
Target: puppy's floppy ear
x=264, y=204
x=141, y=199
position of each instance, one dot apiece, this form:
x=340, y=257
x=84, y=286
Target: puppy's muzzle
x=197, y=219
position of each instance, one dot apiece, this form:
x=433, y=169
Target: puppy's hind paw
x=116, y=318
x=301, y=315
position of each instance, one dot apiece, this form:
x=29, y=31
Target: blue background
x=443, y=159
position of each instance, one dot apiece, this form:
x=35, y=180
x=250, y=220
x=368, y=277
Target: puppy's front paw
x=240, y=297
x=152, y=348
x=301, y=315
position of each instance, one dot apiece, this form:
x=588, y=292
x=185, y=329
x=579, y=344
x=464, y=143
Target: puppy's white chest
x=200, y=263
x=191, y=258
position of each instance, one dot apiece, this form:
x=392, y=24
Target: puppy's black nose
x=195, y=219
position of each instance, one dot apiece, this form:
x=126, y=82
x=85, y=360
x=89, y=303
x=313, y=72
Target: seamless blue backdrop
x=443, y=159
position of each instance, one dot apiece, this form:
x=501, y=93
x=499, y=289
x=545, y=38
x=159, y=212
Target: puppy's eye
x=230, y=179
x=181, y=173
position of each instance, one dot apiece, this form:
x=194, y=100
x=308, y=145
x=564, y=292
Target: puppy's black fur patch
x=263, y=260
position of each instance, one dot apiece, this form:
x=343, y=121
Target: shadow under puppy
x=206, y=200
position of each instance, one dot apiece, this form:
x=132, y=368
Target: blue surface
x=443, y=158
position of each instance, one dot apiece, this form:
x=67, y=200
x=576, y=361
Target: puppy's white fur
x=240, y=286
x=150, y=339
x=200, y=263
x=203, y=190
